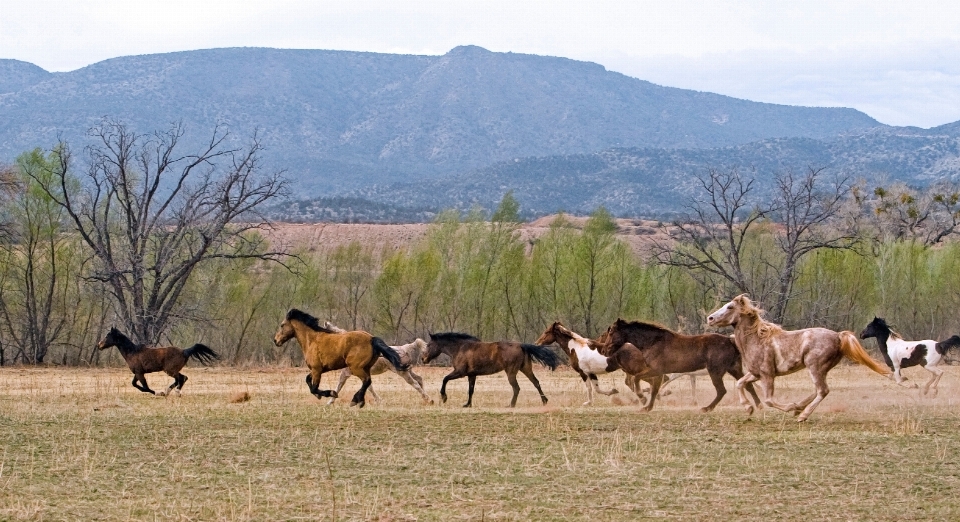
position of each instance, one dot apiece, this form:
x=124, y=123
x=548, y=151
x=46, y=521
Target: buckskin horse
x=471, y=357
x=663, y=351
x=325, y=350
x=144, y=359
x=769, y=351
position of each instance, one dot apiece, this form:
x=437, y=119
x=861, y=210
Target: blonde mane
x=763, y=328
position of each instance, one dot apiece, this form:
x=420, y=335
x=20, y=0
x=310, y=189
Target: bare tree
x=710, y=239
x=150, y=215
x=713, y=241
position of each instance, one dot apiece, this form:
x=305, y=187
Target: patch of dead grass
x=83, y=444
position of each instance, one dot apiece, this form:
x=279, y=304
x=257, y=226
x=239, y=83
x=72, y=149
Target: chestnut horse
x=143, y=359
x=898, y=353
x=471, y=357
x=587, y=358
x=769, y=351
x=663, y=351
x=325, y=350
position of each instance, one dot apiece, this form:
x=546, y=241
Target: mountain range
x=461, y=128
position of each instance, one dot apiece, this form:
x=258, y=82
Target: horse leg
x=455, y=374
x=313, y=382
x=472, y=381
x=693, y=386
x=171, y=387
x=183, y=380
x=633, y=384
x=717, y=378
x=655, y=383
x=344, y=375
x=591, y=383
x=359, y=398
x=899, y=378
x=528, y=371
x=767, y=387
x=512, y=378
x=819, y=378
x=412, y=380
x=934, y=380
x=742, y=383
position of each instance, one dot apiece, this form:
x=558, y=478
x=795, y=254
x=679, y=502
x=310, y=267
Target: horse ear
x=741, y=299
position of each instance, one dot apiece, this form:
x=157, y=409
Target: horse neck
x=747, y=329
x=643, y=336
x=128, y=347
x=304, y=333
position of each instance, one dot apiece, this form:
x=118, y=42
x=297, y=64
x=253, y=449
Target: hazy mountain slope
x=338, y=120
x=658, y=182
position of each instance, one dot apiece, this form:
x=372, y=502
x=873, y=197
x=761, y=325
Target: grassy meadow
x=83, y=444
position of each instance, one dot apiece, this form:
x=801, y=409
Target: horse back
x=157, y=359
x=485, y=358
x=334, y=351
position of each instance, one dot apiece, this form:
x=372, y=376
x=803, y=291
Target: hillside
x=634, y=182
x=338, y=120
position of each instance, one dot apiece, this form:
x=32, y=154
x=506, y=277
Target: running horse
x=325, y=350
x=587, y=358
x=899, y=353
x=471, y=357
x=769, y=351
x=646, y=350
x=143, y=359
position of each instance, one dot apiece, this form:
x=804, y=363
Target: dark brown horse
x=657, y=350
x=168, y=359
x=471, y=357
x=326, y=350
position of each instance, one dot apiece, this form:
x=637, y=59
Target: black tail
x=388, y=353
x=943, y=346
x=202, y=353
x=542, y=355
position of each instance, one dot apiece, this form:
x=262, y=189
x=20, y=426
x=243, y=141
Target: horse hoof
x=443, y=399
x=333, y=394
x=330, y=401
x=544, y=401
x=467, y=405
x=357, y=404
x=705, y=410
x=162, y=394
x=750, y=410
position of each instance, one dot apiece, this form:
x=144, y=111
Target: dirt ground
x=82, y=444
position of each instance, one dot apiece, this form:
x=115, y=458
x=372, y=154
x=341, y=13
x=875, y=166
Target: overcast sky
x=897, y=61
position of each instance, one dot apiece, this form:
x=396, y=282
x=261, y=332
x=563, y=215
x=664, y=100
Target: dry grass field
x=82, y=444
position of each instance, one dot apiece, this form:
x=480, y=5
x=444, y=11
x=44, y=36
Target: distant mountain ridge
x=338, y=120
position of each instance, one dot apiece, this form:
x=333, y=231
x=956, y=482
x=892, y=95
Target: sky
x=899, y=62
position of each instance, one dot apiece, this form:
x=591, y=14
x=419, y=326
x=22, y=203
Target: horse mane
x=453, y=336
x=882, y=322
x=763, y=328
x=330, y=326
x=124, y=343
x=310, y=321
x=648, y=326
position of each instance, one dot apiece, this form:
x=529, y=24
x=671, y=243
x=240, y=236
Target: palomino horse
x=770, y=351
x=325, y=350
x=899, y=353
x=663, y=351
x=587, y=358
x=168, y=359
x=471, y=357
x=409, y=354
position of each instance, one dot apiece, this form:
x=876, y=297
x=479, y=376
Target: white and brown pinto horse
x=409, y=354
x=769, y=351
x=899, y=353
x=584, y=357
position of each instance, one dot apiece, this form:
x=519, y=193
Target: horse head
x=550, y=335
x=878, y=327
x=729, y=314
x=284, y=333
x=113, y=338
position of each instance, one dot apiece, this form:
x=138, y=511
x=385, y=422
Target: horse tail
x=943, y=346
x=542, y=355
x=202, y=353
x=851, y=348
x=388, y=353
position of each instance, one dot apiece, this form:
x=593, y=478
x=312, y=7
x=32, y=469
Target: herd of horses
x=758, y=351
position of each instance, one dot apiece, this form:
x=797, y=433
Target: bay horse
x=769, y=351
x=409, y=354
x=143, y=359
x=647, y=349
x=471, y=357
x=586, y=358
x=899, y=353
x=325, y=350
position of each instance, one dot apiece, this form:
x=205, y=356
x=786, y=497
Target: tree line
x=166, y=246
